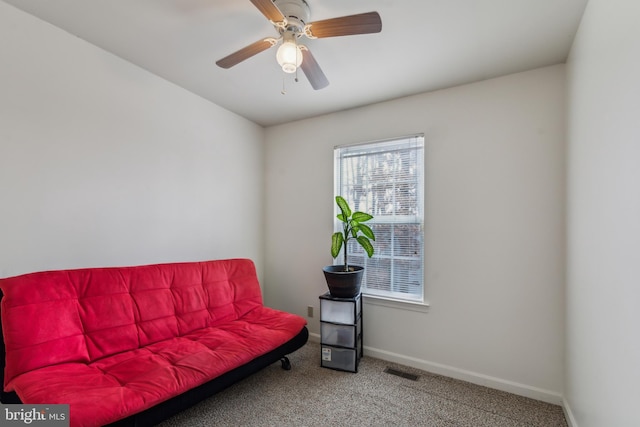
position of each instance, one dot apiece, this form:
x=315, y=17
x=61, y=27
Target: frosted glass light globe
x=289, y=57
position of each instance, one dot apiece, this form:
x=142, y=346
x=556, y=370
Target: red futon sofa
x=135, y=345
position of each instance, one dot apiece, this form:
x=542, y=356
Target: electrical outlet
x=310, y=311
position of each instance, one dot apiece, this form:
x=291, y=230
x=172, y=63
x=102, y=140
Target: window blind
x=386, y=180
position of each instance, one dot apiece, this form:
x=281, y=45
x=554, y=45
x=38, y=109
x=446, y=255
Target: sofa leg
x=286, y=364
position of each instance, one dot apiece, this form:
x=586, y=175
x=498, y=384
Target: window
x=386, y=180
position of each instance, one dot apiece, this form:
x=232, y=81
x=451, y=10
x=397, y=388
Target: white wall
x=103, y=163
x=603, y=263
x=495, y=235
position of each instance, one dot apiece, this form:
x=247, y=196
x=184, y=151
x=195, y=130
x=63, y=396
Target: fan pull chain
x=284, y=77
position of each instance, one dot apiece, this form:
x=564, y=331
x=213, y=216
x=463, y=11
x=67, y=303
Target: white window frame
x=417, y=142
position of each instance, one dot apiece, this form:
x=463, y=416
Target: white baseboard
x=568, y=414
x=464, y=375
x=314, y=337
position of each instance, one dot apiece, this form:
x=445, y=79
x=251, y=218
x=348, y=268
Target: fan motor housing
x=297, y=13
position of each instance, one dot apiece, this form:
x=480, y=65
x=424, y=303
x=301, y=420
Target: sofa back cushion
x=83, y=315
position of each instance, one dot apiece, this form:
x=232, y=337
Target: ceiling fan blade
x=269, y=10
x=312, y=70
x=363, y=23
x=246, y=53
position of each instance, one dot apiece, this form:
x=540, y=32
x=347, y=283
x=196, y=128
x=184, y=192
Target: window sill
x=421, y=307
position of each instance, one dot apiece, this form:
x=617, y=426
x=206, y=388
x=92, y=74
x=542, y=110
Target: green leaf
x=366, y=245
x=336, y=244
x=344, y=206
x=361, y=217
x=341, y=217
x=367, y=231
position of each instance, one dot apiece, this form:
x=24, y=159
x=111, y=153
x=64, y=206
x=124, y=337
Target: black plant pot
x=343, y=284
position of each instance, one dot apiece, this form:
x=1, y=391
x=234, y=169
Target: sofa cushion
x=116, y=386
x=83, y=315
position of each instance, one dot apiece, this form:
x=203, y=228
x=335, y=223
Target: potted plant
x=344, y=280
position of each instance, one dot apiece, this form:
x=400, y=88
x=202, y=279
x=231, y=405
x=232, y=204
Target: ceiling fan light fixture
x=291, y=19
x=289, y=54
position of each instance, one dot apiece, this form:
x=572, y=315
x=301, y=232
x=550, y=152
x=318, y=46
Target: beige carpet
x=309, y=395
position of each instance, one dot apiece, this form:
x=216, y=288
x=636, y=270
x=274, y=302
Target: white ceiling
x=424, y=45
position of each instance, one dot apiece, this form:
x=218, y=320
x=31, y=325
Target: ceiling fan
x=291, y=19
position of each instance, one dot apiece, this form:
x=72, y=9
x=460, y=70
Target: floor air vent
x=401, y=374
